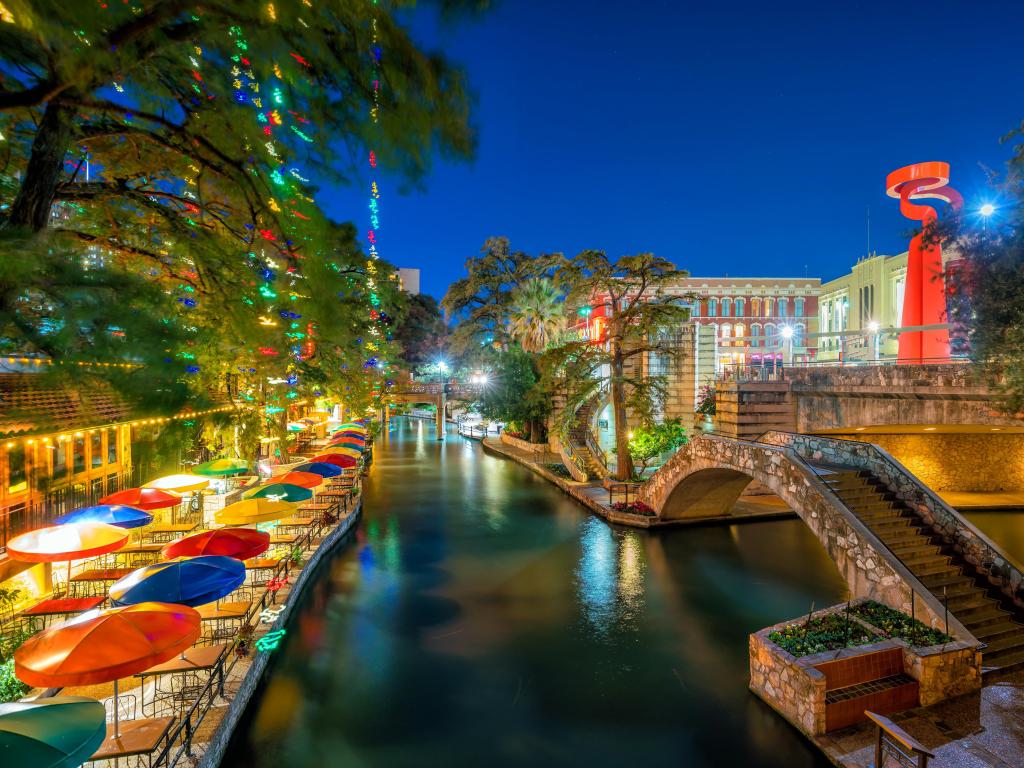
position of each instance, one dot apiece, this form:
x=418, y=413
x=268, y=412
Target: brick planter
x=825, y=691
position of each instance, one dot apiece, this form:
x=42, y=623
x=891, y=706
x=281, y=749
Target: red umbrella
x=239, y=543
x=303, y=479
x=70, y=541
x=104, y=646
x=338, y=459
x=143, y=498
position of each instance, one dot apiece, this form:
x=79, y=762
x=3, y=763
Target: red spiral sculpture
x=924, y=299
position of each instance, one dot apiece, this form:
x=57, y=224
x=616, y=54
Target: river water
x=479, y=617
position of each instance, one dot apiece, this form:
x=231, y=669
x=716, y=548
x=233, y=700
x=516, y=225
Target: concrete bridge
x=436, y=394
x=890, y=536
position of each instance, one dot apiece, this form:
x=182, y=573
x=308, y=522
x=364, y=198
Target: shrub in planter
x=634, y=508
x=893, y=623
x=824, y=633
x=559, y=470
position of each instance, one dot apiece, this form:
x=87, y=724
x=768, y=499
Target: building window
x=78, y=458
x=755, y=331
x=900, y=290
x=726, y=307
x=726, y=334
x=60, y=460
x=712, y=307
x=740, y=307
x=755, y=307
x=783, y=306
x=96, y=449
x=695, y=309
x=112, y=447
x=798, y=304
x=17, y=474
x=768, y=308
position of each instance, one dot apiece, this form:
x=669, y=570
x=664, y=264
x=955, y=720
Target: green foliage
x=421, y=331
x=824, y=633
x=894, y=623
x=650, y=442
x=536, y=315
x=512, y=394
x=559, y=470
x=11, y=688
x=707, y=400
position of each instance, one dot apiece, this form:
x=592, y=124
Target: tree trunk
x=31, y=208
x=624, y=462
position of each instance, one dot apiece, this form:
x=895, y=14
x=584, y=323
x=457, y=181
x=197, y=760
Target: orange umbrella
x=304, y=479
x=70, y=541
x=143, y=498
x=106, y=645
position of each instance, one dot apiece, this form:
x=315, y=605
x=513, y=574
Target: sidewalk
x=981, y=730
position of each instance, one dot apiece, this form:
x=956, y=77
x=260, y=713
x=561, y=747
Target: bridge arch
x=707, y=475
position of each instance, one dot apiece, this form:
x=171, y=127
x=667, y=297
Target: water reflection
x=480, y=617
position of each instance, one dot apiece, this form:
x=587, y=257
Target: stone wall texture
x=958, y=461
x=706, y=465
x=958, y=532
x=945, y=671
x=537, y=449
x=794, y=691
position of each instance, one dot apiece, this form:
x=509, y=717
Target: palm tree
x=536, y=316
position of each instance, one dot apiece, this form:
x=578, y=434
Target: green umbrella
x=62, y=732
x=219, y=467
x=280, y=492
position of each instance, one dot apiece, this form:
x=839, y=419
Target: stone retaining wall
x=795, y=691
x=537, y=449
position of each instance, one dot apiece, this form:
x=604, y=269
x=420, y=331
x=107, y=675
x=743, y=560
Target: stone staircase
x=578, y=433
x=984, y=611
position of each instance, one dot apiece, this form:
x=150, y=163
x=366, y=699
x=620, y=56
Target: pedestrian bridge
x=890, y=536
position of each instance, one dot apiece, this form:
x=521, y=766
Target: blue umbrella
x=191, y=581
x=112, y=514
x=321, y=468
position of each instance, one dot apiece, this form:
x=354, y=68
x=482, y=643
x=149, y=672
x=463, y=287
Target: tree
x=536, y=314
x=649, y=442
x=421, y=331
x=991, y=281
x=514, y=394
x=481, y=301
x=632, y=294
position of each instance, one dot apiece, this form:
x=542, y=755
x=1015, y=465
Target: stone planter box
x=817, y=693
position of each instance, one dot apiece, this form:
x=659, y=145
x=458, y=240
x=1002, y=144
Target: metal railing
x=892, y=741
x=776, y=371
x=595, y=449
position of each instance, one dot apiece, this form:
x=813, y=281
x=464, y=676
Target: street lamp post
x=787, y=338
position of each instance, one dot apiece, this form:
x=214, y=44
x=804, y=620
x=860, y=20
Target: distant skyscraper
x=410, y=279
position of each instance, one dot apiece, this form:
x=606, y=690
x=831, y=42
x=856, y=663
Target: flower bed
x=558, y=470
x=823, y=633
x=894, y=623
x=633, y=508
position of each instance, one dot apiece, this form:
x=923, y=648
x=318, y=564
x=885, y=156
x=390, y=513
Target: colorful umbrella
x=321, y=468
x=349, y=428
x=220, y=467
x=192, y=581
x=344, y=450
x=73, y=541
x=346, y=442
x=61, y=732
x=280, y=492
x=349, y=434
x=105, y=645
x=239, y=543
x=143, y=498
x=294, y=426
x=183, y=483
x=337, y=459
x=303, y=479
x=252, y=511
x=112, y=514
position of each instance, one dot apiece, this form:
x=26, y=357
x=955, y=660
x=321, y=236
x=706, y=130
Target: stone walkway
x=982, y=730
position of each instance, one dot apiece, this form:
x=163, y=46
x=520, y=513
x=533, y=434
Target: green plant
x=649, y=442
x=243, y=645
x=296, y=555
x=558, y=470
x=706, y=400
x=824, y=633
x=11, y=688
x=893, y=623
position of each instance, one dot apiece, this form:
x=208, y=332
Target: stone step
x=969, y=602
x=881, y=516
x=914, y=548
x=1011, y=658
x=924, y=560
x=934, y=570
x=1004, y=641
x=995, y=633
x=937, y=581
x=976, y=618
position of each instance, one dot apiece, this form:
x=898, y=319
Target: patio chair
x=127, y=707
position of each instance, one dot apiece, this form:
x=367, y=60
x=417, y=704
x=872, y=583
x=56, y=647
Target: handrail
x=591, y=442
x=891, y=738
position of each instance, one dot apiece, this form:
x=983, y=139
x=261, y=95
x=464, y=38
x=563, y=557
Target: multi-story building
x=859, y=310
x=409, y=278
x=757, y=320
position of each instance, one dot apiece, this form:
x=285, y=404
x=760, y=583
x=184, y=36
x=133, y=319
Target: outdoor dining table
x=197, y=659
x=137, y=737
x=164, y=532
x=259, y=569
x=142, y=552
x=283, y=538
x=291, y=523
x=97, y=575
x=64, y=606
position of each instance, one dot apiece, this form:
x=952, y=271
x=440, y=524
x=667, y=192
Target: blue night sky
x=740, y=138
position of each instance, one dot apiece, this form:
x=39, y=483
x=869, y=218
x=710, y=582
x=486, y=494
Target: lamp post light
x=787, y=337
x=873, y=327
x=987, y=210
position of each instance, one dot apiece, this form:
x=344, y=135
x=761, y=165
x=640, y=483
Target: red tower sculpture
x=924, y=299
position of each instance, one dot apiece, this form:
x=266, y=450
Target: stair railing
x=976, y=548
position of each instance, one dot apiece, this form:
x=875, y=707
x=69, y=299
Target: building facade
x=756, y=320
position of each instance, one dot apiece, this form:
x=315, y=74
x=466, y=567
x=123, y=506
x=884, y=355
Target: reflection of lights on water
x=596, y=574
x=631, y=572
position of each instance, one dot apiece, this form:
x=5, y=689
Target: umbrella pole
x=67, y=587
x=117, y=731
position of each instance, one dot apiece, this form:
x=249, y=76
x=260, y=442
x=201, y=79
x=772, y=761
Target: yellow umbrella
x=183, y=483
x=251, y=511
